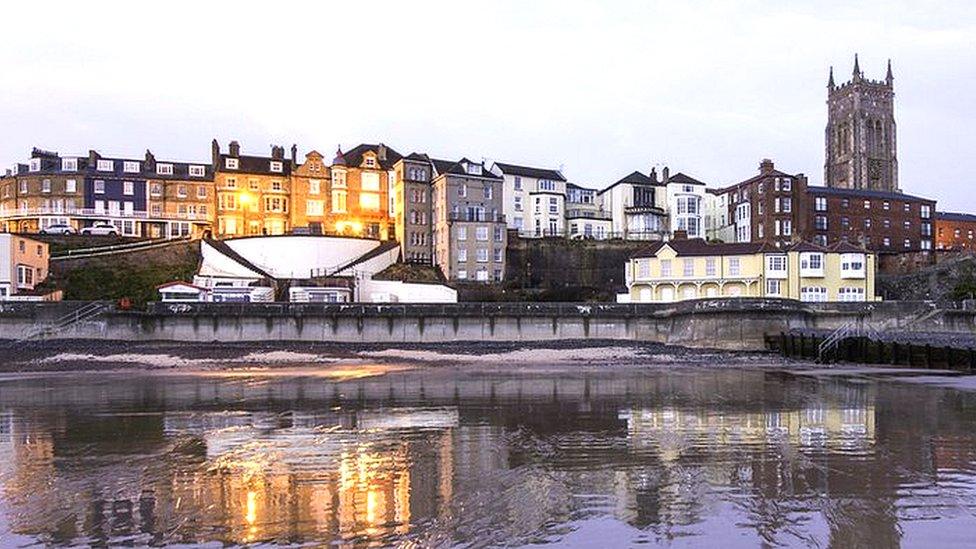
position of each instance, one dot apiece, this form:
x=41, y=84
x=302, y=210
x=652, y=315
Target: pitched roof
x=684, y=179
x=846, y=247
x=255, y=164
x=526, y=171
x=865, y=193
x=354, y=156
x=455, y=168
x=804, y=246
x=180, y=283
x=418, y=157
x=753, y=179
x=698, y=247
x=956, y=216
x=633, y=178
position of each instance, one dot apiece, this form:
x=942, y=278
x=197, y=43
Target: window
x=488, y=192
x=553, y=205
x=852, y=265
x=462, y=190
x=811, y=264
x=369, y=201
x=787, y=227
x=23, y=186
x=643, y=268
x=313, y=186
x=197, y=171
x=99, y=186
x=688, y=267
x=201, y=192
x=181, y=191
x=787, y=203
x=851, y=294
x=462, y=254
x=813, y=293
x=276, y=185
x=481, y=233
x=787, y=184
x=867, y=223
x=462, y=233
x=472, y=168
x=276, y=166
x=820, y=203
x=908, y=225
x=908, y=207
x=665, y=267
x=710, y=266
x=499, y=256
x=253, y=184
x=338, y=179
x=499, y=234
x=774, y=287
x=887, y=242
x=231, y=183
x=926, y=211
x=128, y=188
x=105, y=166
x=482, y=255
x=70, y=185
x=339, y=201
x=546, y=185
x=908, y=243
x=370, y=162
x=231, y=163
x=518, y=203
x=845, y=203
x=886, y=205
x=776, y=264
x=734, y=266
x=518, y=183
x=867, y=204
x=69, y=164
x=25, y=276
x=462, y=274
x=46, y=186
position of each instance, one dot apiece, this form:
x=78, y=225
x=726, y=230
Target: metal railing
x=86, y=312
x=852, y=329
x=116, y=248
x=92, y=212
x=476, y=216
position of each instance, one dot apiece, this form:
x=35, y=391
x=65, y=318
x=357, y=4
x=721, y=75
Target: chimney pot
x=234, y=148
x=666, y=176
x=766, y=166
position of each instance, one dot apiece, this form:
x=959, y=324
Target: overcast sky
x=598, y=88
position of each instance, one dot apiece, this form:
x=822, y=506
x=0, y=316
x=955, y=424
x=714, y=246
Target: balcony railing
x=475, y=217
x=92, y=212
x=588, y=214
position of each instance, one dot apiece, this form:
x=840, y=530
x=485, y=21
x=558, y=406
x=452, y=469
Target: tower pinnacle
x=830, y=80
x=857, y=68
x=890, y=77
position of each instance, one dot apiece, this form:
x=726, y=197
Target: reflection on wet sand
x=437, y=458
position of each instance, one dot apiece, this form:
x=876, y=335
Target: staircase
x=68, y=321
x=852, y=329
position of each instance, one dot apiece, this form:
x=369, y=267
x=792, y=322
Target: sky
x=598, y=89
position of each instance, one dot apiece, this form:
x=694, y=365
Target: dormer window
x=473, y=169
x=69, y=164
x=35, y=165
x=197, y=171
x=164, y=169
x=105, y=166
x=130, y=167
x=276, y=166
x=231, y=163
x=370, y=162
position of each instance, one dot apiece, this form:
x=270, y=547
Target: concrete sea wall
x=714, y=323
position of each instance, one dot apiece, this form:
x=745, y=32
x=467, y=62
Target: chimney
x=93, y=157
x=277, y=152
x=679, y=234
x=665, y=177
x=294, y=154
x=381, y=152
x=150, y=159
x=234, y=149
x=214, y=151
x=766, y=166
x=653, y=175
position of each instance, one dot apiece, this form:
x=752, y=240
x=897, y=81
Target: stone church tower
x=861, y=146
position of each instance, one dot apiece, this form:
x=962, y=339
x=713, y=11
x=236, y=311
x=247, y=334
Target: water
x=598, y=457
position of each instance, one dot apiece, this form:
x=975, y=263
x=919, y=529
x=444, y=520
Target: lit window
x=276, y=166
x=231, y=163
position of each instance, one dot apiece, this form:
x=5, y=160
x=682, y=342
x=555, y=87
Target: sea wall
x=710, y=323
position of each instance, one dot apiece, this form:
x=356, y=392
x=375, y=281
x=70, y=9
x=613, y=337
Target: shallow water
x=453, y=457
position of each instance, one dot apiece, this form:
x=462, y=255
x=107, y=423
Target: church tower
x=860, y=137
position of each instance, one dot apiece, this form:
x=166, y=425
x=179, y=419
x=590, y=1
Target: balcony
x=642, y=209
x=99, y=214
x=476, y=217
x=577, y=213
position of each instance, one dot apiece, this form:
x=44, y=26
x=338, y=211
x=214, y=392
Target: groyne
x=735, y=324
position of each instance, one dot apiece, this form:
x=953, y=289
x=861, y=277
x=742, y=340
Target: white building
x=585, y=216
x=637, y=205
x=686, y=204
x=534, y=199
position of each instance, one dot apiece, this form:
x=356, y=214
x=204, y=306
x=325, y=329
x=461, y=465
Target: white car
x=100, y=228
x=59, y=228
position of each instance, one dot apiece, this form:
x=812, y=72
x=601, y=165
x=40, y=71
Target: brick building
x=881, y=221
x=252, y=192
x=310, y=204
x=361, y=191
x=765, y=208
x=412, y=212
x=955, y=231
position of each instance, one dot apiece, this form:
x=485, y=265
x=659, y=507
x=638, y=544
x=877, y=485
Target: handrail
x=86, y=312
x=128, y=246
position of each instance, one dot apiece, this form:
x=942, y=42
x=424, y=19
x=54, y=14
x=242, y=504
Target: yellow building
x=691, y=269
x=252, y=192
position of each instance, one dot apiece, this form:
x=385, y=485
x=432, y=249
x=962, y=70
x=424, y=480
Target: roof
x=698, y=247
x=633, y=178
x=455, y=168
x=255, y=164
x=755, y=178
x=180, y=283
x=684, y=179
x=865, y=193
x=804, y=246
x=50, y=164
x=354, y=156
x=846, y=247
x=956, y=216
x=526, y=171
x=417, y=157
x=225, y=249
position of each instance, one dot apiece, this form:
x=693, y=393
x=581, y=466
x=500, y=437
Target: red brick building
x=955, y=231
x=881, y=221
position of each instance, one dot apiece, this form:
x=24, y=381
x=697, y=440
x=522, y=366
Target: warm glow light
x=354, y=227
x=371, y=507
x=252, y=508
x=245, y=198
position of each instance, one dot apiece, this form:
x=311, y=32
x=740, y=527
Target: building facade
x=692, y=269
x=955, y=231
x=362, y=191
x=686, y=204
x=140, y=197
x=637, y=205
x=881, y=221
x=470, y=235
x=310, y=200
x=585, y=216
x=861, y=144
x=534, y=199
x=765, y=208
x=23, y=265
x=412, y=208
x=253, y=193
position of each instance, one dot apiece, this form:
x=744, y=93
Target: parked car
x=100, y=228
x=59, y=228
